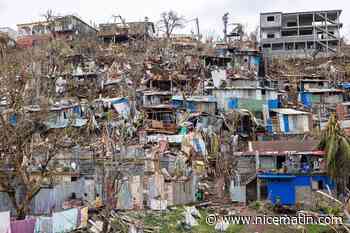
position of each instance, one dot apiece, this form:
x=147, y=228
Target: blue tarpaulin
x=120, y=101
x=272, y=104
x=306, y=99
x=176, y=103
x=77, y=110
x=345, y=85
x=233, y=103
x=191, y=106
x=13, y=119
x=255, y=60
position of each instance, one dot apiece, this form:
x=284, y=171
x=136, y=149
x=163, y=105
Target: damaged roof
x=209, y=99
x=286, y=145
x=289, y=111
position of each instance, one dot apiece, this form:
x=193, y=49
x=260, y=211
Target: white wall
x=276, y=23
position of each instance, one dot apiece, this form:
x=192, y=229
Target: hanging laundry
x=124, y=196
x=64, y=221
x=23, y=226
x=84, y=217
x=5, y=224
x=43, y=225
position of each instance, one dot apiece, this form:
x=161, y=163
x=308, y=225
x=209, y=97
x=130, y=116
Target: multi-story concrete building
x=300, y=33
x=66, y=27
x=122, y=32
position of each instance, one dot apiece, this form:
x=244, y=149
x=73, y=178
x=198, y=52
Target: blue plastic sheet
x=272, y=104
x=306, y=99
x=233, y=103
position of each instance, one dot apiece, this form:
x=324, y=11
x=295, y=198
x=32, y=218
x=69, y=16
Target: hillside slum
x=99, y=134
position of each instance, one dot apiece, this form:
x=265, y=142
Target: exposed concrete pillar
x=298, y=24
x=257, y=167
x=326, y=20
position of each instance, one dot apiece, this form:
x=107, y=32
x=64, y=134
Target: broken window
x=305, y=20
x=290, y=33
x=167, y=118
x=278, y=46
x=300, y=45
x=310, y=45
x=270, y=18
x=320, y=185
x=292, y=24
x=289, y=46
x=306, y=32
x=280, y=161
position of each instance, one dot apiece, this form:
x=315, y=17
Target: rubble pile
x=114, y=132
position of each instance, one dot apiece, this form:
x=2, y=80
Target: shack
x=205, y=104
x=290, y=121
x=160, y=119
x=292, y=189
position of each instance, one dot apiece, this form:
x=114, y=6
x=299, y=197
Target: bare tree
x=26, y=146
x=50, y=18
x=169, y=22
x=253, y=36
x=4, y=40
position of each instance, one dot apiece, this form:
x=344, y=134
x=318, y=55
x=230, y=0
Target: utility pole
x=198, y=32
x=225, y=20
x=120, y=17
x=197, y=27
x=146, y=28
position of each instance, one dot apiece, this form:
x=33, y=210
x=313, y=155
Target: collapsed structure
x=130, y=122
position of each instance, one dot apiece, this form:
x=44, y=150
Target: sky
x=209, y=12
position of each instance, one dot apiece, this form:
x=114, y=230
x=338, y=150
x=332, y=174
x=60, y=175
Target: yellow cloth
x=84, y=217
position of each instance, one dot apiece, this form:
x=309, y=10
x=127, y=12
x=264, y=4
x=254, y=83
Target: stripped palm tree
x=337, y=148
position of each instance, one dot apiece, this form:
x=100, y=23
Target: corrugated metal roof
x=157, y=93
x=196, y=98
x=275, y=176
x=282, y=146
x=160, y=106
x=323, y=90
x=242, y=88
x=289, y=111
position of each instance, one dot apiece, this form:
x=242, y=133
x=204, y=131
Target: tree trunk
x=340, y=186
x=105, y=224
x=21, y=213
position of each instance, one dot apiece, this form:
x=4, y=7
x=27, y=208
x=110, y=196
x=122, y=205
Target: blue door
x=286, y=123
